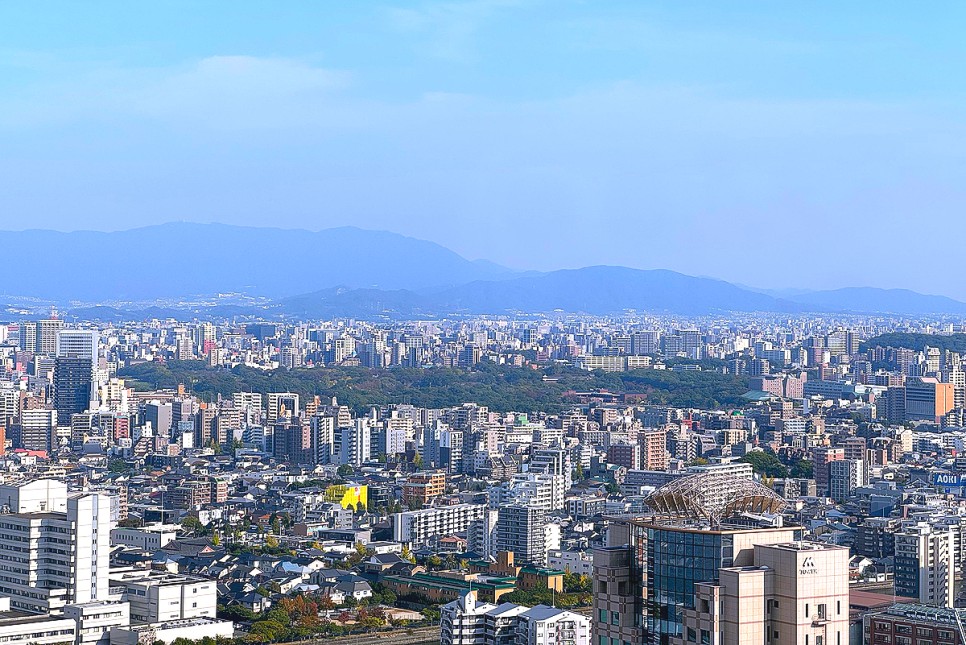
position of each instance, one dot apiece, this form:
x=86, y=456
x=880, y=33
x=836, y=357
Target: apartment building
x=423, y=527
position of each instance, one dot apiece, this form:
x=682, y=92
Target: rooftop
x=713, y=497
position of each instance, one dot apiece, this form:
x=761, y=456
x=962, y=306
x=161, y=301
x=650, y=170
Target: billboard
x=349, y=496
x=949, y=480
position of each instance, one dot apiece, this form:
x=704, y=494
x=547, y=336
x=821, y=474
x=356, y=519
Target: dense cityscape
x=482, y=322
x=168, y=481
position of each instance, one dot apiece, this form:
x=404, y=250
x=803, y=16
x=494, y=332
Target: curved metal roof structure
x=713, y=497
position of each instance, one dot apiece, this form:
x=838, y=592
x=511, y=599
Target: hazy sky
x=817, y=144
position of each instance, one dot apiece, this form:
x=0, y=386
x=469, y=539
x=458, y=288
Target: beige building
x=794, y=593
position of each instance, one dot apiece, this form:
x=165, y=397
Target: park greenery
x=951, y=342
x=499, y=387
x=767, y=464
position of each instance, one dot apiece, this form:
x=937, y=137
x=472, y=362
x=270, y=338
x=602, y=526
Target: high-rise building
x=73, y=382
x=77, y=343
x=845, y=476
x=293, y=444
x=36, y=429
x=794, y=593
x=61, y=541
x=47, y=331
x=282, y=405
x=654, y=454
x=522, y=530
x=323, y=438
x=822, y=459
x=927, y=399
x=160, y=415
x=553, y=461
x=28, y=337
x=925, y=563
x=75, y=369
x=355, y=443
x=693, y=537
x=451, y=451
x=645, y=342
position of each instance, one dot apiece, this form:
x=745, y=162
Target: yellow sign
x=355, y=497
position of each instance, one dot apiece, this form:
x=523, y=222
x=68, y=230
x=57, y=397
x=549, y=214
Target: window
x=705, y=637
x=602, y=587
x=806, y=610
x=603, y=615
x=692, y=635
x=615, y=618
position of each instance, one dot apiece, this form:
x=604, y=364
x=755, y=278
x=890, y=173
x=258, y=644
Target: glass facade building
x=675, y=561
x=671, y=559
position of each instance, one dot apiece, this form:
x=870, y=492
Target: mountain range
x=359, y=273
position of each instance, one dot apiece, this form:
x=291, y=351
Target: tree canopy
x=499, y=387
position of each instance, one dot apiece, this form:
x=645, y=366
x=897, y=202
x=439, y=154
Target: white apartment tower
x=56, y=546
x=925, y=563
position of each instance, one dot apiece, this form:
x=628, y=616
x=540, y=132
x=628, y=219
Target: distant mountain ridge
x=343, y=272
x=181, y=259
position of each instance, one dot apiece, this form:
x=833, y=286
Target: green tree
x=267, y=631
x=191, y=525
x=765, y=464
x=345, y=470
x=803, y=469
x=118, y=465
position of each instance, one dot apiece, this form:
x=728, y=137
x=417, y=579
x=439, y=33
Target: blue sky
x=807, y=145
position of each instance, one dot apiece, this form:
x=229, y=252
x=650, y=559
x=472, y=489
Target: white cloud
x=219, y=92
x=447, y=30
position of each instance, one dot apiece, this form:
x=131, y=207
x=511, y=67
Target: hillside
x=176, y=260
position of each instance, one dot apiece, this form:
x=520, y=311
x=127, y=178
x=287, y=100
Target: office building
x=47, y=331
x=77, y=343
x=73, y=386
x=927, y=399
x=795, y=593
x=704, y=523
